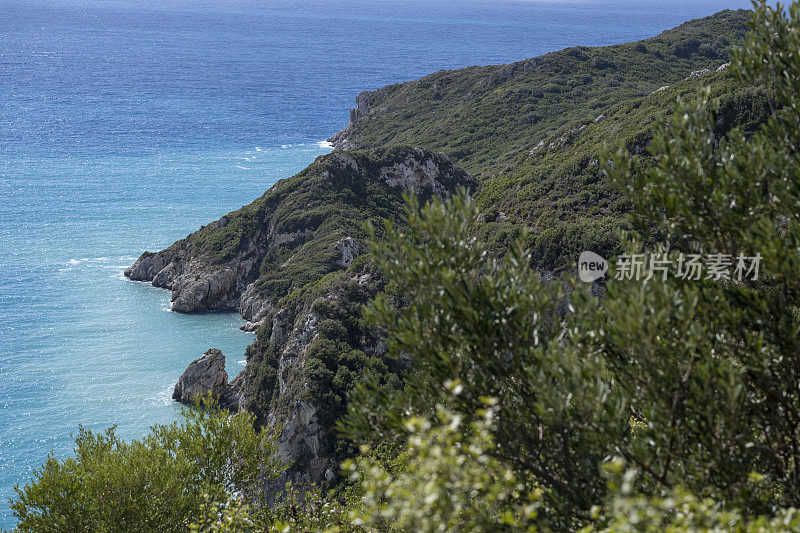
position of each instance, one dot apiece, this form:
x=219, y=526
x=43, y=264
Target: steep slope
x=290, y=264
x=484, y=117
x=296, y=233
x=533, y=132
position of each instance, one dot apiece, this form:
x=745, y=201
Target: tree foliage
x=157, y=483
x=692, y=382
x=450, y=481
x=495, y=328
x=710, y=367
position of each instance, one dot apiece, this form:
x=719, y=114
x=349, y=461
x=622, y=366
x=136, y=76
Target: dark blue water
x=125, y=125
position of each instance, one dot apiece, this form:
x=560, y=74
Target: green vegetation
x=292, y=230
x=484, y=117
x=158, y=483
x=531, y=132
x=691, y=383
x=669, y=404
x=334, y=361
x=558, y=191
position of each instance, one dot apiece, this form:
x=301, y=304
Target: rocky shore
x=291, y=238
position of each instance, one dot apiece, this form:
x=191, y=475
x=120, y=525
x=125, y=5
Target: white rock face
x=413, y=175
x=202, y=376
x=148, y=265
x=349, y=250
x=698, y=73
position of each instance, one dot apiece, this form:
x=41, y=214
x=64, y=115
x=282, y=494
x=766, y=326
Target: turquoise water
x=80, y=343
x=125, y=125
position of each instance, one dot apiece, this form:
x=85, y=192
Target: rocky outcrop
x=261, y=259
x=203, y=376
x=202, y=278
x=307, y=440
x=349, y=249
x=698, y=73
x=302, y=442
x=416, y=174
x=149, y=265
x=344, y=140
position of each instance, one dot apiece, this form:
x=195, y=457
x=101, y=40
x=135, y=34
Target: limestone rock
x=205, y=293
x=698, y=73
x=148, y=265
x=420, y=174
x=349, y=250
x=251, y=327
x=202, y=376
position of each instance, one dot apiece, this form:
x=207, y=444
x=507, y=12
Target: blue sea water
x=125, y=125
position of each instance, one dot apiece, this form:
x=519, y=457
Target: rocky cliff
x=300, y=230
x=291, y=264
x=205, y=375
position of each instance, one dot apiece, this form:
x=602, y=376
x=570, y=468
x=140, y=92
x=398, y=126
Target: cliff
x=300, y=230
x=290, y=263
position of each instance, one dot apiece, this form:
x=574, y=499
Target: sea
x=127, y=124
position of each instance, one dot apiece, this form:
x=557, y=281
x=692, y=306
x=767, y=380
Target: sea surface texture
x=126, y=125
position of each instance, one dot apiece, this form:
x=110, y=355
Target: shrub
x=158, y=483
x=685, y=47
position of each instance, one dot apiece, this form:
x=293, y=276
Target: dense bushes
x=691, y=383
x=158, y=483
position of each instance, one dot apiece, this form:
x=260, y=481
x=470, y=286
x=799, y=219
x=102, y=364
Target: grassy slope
x=486, y=116
x=530, y=130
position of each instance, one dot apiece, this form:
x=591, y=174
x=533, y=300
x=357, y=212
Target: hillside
x=531, y=132
x=484, y=117
x=289, y=264
x=556, y=189
x=297, y=232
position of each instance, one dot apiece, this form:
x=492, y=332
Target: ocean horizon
x=127, y=125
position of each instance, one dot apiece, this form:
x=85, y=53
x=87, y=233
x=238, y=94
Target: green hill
x=484, y=117
x=530, y=132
